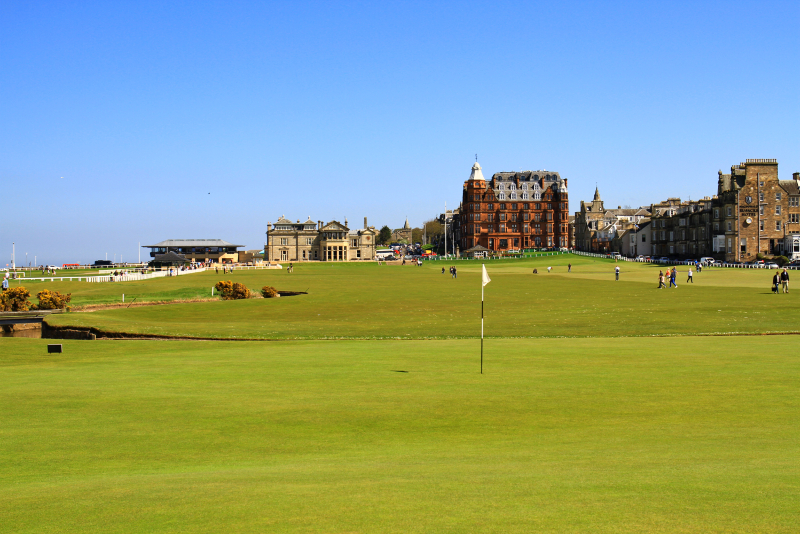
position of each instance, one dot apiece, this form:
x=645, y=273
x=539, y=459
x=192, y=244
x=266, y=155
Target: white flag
x=485, y=276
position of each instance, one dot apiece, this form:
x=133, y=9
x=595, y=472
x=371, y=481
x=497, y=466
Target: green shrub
x=15, y=299
x=268, y=292
x=52, y=300
x=232, y=290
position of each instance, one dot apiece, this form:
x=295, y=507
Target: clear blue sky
x=125, y=122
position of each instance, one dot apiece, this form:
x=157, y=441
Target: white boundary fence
x=130, y=277
x=684, y=262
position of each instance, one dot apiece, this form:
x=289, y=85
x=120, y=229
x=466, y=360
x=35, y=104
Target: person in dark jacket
x=785, y=280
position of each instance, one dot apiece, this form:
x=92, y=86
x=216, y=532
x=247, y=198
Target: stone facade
x=291, y=241
x=753, y=213
x=597, y=229
x=514, y=210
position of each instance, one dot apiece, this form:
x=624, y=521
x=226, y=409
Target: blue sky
x=209, y=119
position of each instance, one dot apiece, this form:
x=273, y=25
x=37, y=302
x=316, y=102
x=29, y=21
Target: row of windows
x=525, y=206
x=513, y=196
x=513, y=228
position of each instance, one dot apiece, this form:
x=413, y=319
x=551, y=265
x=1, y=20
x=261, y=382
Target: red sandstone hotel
x=514, y=210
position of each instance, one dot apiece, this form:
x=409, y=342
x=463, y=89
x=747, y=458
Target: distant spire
x=406, y=226
x=596, y=193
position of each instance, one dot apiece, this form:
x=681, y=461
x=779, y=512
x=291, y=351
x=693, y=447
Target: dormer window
x=513, y=196
x=501, y=196
x=524, y=196
x=501, y=187
x=512, y=187
x=524, y=187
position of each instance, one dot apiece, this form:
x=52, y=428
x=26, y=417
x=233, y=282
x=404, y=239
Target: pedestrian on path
x=690, y=279
x=672, y=274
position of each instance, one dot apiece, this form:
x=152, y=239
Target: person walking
x=785, y=280
x=569, y=267
x=672, y=274
x=616, y=272
x=5, y=283
x=548, y=269
x=690, y=279
x=455, y=272
x=661, y=283
x=776, y=280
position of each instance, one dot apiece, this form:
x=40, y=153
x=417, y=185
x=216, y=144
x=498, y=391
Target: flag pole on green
x=484, y=280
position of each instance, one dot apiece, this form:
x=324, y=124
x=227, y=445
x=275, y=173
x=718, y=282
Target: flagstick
x=482, y=285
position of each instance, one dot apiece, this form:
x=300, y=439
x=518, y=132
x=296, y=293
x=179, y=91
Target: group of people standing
x=453, y=271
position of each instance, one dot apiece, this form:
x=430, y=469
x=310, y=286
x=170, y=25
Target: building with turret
x=514, y=210
x=597, y=229
x=403, y=235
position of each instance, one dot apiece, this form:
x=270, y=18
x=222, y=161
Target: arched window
x=501, y=196
x=512, y=187
x=524, y=196
x=501, y=187
x=524, y=187
x=513, y=196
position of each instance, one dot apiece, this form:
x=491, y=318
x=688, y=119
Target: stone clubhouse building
x=289, y=241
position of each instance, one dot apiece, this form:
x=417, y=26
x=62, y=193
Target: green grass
x=365, y=301
x=559, y=435
x=583, y=421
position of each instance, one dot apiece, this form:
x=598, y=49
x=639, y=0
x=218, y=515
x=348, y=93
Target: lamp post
x=13, y=264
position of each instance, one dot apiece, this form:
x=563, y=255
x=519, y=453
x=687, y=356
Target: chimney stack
x=365, y=223
x=796, y=177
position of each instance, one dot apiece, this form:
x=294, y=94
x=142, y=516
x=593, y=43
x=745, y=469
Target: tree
x=416, y=235
x=385, y=235
x=434, y=230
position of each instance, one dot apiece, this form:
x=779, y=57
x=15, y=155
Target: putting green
x=559, y=435
x=367, y=301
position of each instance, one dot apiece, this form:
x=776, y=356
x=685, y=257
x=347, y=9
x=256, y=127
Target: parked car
x=770, y=265
x=706, y=260
x=662, y=259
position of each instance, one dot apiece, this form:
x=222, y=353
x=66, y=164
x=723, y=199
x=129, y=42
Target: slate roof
x=790, y=186
x=193, y=243
x=170, y=257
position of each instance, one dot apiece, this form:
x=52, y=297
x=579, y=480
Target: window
x=513, y=227
x=513, y=196
x=778, y=196
x=524, y=187
x=309, y=240
x=355, y=243
x=716, y=227
x=490, y=207
x=525, y=206
x=730, y=246
x=490, y=217
x=524, y=196
x=527, y=216
x=512, y=187
x=502, y=228
x=549, y=215
x=284, y=241
x=500, y=187
x=525, y=229
x=644, y=238
x=501, y=196
x=761, y=225
x=502, y=206
x=794, y=202
x=777, y=209
x=730, y=226
x=730, y=211
x=716, y=213
x=761, y=196
x=537, y=218
x=513, y=206
x=778, y=226
x=491, y=229
x=761, y=209
x=743, y=245
x=502, y=216
x=514, y=217
x=794, y=217
x=672, y=236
